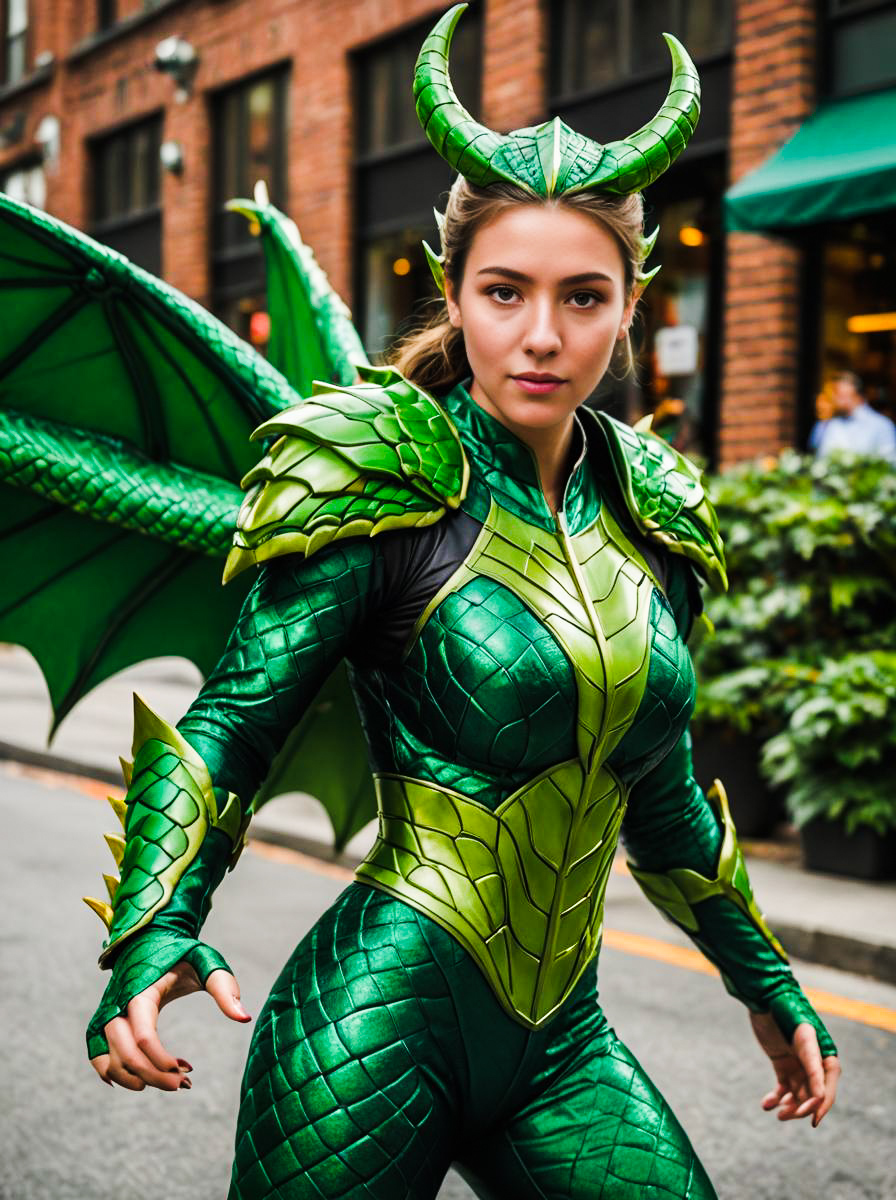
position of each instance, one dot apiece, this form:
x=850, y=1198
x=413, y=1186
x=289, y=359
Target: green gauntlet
x=722, y=917
x=180, y=836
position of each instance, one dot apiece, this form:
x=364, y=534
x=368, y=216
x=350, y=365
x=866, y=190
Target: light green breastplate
x=522, y=887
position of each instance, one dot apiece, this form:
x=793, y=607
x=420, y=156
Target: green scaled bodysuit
x=524, y=688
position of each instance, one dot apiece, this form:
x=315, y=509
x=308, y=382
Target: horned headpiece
x=549, y=159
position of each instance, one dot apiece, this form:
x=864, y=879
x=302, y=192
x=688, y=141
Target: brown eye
x=503, y=293
x=584, y=299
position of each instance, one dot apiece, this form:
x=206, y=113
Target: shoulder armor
x=665, y=495
x=349, y=462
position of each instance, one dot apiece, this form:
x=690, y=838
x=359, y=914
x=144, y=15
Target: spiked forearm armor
x=170, y=807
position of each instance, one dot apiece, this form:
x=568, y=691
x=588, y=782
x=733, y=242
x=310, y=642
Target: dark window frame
x=627, y=77
x=106, y=15
x=396, y=184
x=134, y=228
x=26, y=163
x=124, y=135
x=9, y=77
x=838, y=18
x=235, y=259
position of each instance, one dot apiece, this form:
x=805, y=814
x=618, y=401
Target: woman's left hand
x=807, y=1084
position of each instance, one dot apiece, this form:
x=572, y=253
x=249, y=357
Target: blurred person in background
x=824, y=410
x=855, y=426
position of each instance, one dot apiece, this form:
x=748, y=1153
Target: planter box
x=864, y=854
x=722, y=753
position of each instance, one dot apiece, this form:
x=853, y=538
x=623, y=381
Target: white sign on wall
x=676, y=349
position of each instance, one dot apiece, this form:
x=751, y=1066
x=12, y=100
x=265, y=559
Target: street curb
x=819, y=946
x=55, y=762
x=838, y=950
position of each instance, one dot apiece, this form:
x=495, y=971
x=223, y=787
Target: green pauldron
x=349, y=462
x=167, y=814
x=676, y=892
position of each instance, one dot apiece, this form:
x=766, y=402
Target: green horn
x=551, y=158
x=635, y=162
x=462, y=142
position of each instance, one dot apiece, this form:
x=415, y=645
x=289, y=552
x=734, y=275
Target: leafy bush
x=837, y=754
x=801, y=652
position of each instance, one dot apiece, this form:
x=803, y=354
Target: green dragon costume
x=522, y=680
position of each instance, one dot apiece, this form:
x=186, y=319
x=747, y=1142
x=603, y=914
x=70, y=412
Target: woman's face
x=542, y=305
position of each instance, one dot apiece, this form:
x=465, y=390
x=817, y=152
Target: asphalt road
x=65, y=1136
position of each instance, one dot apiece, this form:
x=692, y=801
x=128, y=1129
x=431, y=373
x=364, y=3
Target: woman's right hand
x=152, y=969
x=136, y=1056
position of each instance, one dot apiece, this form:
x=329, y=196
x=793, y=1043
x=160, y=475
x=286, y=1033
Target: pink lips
x=537, y=384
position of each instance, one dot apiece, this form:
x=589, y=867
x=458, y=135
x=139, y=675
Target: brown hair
x=434, y=357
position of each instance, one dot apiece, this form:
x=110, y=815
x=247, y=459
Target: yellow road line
x=877, y=1016
x=659, y=951
x=832, y=1005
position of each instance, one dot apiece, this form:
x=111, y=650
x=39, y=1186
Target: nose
x=542, y=334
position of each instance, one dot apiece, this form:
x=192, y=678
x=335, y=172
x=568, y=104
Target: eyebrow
x=520, y=277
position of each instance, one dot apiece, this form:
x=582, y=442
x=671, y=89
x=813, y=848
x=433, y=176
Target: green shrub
x=809, y=622
x=837, y=754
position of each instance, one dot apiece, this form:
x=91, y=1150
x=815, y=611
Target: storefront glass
x=397, y=277
x=858, y=307
x=674, y=328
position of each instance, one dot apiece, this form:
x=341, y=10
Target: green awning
x=840, y=163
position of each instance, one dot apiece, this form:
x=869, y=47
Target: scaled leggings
x=382, y=1056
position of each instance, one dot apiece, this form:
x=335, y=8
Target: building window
x=125, y=203
x=106, y=14
x=26, y=182
x=858, y=307
x=600, y=43
x=673, y=333
x=15, y=40
x=860, y=46
x=398, y=177
x=250, y=138
x=609, y=73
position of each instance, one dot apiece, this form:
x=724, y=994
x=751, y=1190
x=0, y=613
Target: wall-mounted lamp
x=48, y=137
x=171, y=156
x=177, y=58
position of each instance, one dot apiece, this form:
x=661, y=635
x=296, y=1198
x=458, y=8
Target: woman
x=515, y=634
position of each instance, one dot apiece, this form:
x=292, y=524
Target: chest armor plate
x=522, y=886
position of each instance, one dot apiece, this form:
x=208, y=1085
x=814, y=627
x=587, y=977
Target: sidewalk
x=820, y=918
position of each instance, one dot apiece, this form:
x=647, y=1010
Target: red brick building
x=314, y=97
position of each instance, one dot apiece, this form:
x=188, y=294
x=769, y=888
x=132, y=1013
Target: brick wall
x=116, y=83
x=774, y=90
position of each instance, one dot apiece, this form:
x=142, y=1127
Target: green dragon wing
x=664, y=494
x=126, y=415
x=312, y=335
